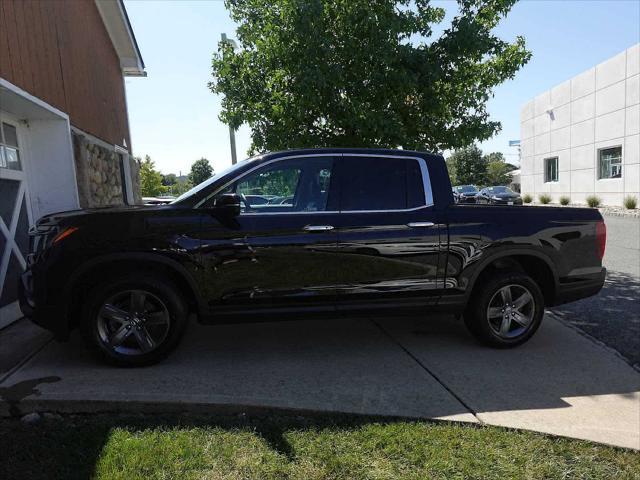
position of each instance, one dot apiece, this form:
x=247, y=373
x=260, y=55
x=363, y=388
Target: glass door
x=15, y=215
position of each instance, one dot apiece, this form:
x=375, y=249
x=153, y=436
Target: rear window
x=377, y=183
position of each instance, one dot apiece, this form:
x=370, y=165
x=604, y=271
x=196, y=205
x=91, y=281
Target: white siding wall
x=597, y=109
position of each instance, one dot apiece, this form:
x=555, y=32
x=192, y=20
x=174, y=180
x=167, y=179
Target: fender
x=510, y=252
x=174, y=265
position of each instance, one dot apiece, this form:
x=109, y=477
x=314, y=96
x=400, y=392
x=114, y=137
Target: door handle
x=420, y=224
x=318, y=228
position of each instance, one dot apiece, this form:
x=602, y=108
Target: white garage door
x=15, y=211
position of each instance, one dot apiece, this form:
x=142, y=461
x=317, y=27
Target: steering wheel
x=247, y=205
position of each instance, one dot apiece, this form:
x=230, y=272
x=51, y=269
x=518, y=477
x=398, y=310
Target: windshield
x=210, y=180
x=500, y=190
x=467, y=189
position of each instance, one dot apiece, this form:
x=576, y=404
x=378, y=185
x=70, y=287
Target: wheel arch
x=532, y=262
x=96, y=270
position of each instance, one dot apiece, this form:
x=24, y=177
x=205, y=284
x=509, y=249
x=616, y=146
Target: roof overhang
x=115, y=19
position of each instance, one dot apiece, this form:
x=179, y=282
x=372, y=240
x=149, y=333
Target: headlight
x=495, y=198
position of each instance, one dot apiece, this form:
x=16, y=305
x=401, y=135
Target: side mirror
x=229, y=203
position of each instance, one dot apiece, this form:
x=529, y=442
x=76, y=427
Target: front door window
x=286, y=186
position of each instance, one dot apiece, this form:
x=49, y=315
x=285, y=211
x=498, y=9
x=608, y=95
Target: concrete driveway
x=560, y=382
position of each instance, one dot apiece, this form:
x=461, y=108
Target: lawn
x=294, y=447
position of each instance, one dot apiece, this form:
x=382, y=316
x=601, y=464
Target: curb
x=608, y=211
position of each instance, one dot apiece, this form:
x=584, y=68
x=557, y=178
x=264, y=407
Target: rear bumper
x=583, y=287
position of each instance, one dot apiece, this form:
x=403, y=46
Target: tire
x=133, y=321
x=488, y=326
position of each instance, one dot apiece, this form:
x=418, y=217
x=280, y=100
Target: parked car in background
x=498, y=196
x=366, y=230
x=161, y=200
x=465, y=193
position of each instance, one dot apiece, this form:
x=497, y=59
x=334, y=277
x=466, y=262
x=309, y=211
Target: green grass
x=287, y=447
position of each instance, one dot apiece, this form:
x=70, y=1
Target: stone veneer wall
x=98, y=174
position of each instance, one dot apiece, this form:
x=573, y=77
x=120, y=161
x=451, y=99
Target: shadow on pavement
x=612, y=316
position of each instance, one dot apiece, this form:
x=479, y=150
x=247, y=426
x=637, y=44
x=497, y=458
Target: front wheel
x=506, y=310
x=133, y=321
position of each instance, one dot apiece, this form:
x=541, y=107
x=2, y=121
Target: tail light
x=601, y=238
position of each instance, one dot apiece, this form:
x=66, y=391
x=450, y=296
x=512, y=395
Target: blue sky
x=174, y=116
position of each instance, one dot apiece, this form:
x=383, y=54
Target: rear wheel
x=506, y=310
x=133, y=321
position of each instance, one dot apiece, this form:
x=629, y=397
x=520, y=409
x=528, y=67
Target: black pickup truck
x=341, y=230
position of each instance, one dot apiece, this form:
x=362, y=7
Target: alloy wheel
x=133, y=322
x=511, y=311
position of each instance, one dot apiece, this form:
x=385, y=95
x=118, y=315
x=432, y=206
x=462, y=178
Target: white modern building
x=582, y=137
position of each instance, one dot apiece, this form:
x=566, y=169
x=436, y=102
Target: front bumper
x=515, y=201
x=49, y=317
x=583, y=287
x=467, y=199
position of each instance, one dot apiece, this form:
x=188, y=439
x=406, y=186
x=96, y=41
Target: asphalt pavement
x=613, y=316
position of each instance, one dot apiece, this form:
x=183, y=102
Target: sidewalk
x=559, y=383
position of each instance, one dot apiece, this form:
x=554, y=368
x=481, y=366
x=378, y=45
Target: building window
x=610, y=162
x=551, y=169
x=9, y=154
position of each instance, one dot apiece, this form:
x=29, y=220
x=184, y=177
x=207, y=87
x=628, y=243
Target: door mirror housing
x=228, y=203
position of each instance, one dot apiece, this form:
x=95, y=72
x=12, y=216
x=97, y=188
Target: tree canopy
x=363, y=72
x=497, y=172
x=470, y=166
x=150, y=178
x=200, y=171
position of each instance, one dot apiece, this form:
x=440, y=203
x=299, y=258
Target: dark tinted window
x=415, y=186
x=376, y=183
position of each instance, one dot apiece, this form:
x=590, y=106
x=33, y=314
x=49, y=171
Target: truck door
x=388, y=232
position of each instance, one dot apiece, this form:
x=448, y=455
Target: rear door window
x=380, y=183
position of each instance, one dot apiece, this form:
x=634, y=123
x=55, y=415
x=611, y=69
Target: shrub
x=564, y=200
x=526, y=198
x=593, y=201
x=630, y=202
x=544, y=199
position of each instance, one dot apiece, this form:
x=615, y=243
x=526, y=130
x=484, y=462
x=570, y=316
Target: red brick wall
x=60, y=52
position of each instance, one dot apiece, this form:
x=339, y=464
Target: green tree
x=451, y=168
x=494, y=157
x=497, y=169
x=469, y=165
x=181, y=186
x=150, y=178
x=200, y=171
x=363, y=73
x=169, y=179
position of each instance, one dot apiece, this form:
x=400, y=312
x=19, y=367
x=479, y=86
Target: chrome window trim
x=424, y=170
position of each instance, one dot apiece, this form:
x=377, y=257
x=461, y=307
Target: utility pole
x=232, y=132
